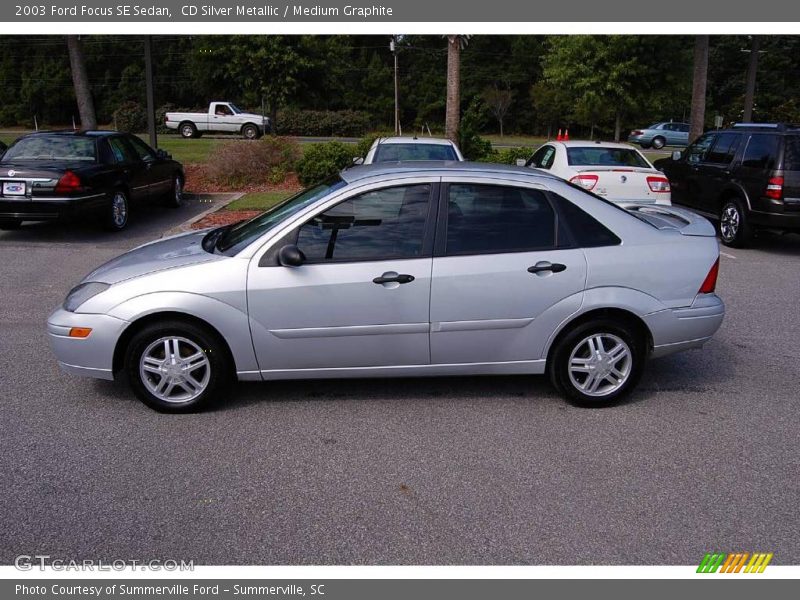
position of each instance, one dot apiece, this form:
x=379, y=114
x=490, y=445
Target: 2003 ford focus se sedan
x=402, y=270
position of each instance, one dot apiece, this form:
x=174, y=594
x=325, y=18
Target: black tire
x=250, y=132
x=659, y=142
x=116, y=213
x=187, y=130
x=574, y=346
x=10, y=224
x=734, y=228
x=174, y=198
x=216, y=375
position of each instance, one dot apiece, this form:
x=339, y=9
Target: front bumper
x=46, y=208
x=92, y=356
x=678, y=329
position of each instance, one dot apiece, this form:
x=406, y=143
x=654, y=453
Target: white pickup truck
x=223, y=117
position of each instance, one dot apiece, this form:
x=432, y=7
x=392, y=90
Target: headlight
x=83, y=292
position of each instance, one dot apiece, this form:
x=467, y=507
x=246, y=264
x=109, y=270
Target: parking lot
x=704, y=457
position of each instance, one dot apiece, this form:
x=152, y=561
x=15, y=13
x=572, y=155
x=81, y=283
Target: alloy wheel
x=600, y=364
x=174, y=369
x=119, y=210
x=729, y=223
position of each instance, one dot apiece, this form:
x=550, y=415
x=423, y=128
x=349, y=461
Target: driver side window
x=377, y=225
x=697, y=152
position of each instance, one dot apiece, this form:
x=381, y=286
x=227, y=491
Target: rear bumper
x=678, y=329
x=44, y=208
x=92, y=356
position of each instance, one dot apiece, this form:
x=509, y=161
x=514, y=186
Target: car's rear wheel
x=188, y=130
x=9, y=224
x=734, y=229
x=116, y=213
x=597, y=363
x=249, y=132
x=659, y=142
x=174, y=198
x=177, y=367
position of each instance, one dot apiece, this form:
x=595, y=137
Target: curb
x=218, y=201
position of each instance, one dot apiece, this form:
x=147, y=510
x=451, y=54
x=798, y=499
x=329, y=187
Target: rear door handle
x=544, y=266
x=399, y=278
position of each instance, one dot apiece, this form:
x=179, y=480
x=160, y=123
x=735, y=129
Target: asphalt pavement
x=496, y=470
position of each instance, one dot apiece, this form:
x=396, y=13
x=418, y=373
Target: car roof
x=414, y=140
x=77, y=133
x=449, y=167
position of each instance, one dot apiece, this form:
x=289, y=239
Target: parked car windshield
x=235, y=238
x=53, y=147
x=396, y=152
x=591, y=156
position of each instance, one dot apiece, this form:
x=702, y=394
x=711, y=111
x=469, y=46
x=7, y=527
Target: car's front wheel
x=597, y=363
x=734, y=229
x=249, y=132
x=177, y=367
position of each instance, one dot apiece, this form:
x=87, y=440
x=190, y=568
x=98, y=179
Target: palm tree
x=698, y=112
x=455, y=43
x=80, y=80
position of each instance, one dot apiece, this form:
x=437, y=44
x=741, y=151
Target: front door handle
x=544, y=266
x=399, y=278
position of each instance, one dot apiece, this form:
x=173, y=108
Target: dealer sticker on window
x=13, y=188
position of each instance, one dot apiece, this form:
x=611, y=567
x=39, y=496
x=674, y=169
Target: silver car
x=404, y=270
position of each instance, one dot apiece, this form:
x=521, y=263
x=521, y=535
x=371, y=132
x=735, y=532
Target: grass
x=258, y=200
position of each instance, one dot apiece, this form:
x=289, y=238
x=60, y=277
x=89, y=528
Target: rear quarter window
x=791, y=153
x=584, y=229
x=761, y=152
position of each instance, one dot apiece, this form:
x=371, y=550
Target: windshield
x=597, y=156
x=236, y=110
x=396, y=152
x=239, y=236
x=53, y=147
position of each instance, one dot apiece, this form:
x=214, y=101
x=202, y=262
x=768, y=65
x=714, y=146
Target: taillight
x=68, y=183
x=637, y=132
x=587, y=182
x=710, y=282
x=658, y=184
x=774, y=188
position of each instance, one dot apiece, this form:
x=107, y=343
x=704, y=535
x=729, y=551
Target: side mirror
x=676, y=154
x=163, y=154
x=521, y=162
x=291, y=256
x=358, y=160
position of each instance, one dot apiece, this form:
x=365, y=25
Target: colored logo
x=738, y=562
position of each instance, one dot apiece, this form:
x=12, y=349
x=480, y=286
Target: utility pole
x=752, y=69
x=151, y=105
x=393, y=48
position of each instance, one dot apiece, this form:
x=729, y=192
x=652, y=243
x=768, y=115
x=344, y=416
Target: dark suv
x=747, y=177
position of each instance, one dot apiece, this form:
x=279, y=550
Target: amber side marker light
x=80, y=332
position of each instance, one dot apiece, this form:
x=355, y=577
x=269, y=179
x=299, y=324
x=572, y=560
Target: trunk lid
x=672, y=218
x=624, y=183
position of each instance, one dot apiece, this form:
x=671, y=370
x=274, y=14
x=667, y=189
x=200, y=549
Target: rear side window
x=119, y=150
x=761, y=152
x=491, y=219
x=386, y=223
x=791, y=153
x=585, y=230
x=724, y=149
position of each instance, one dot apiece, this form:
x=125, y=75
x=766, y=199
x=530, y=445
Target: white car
x=618, y=172
x=401, y=149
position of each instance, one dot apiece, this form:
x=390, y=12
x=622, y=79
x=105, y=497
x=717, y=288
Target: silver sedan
x=408, y=270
